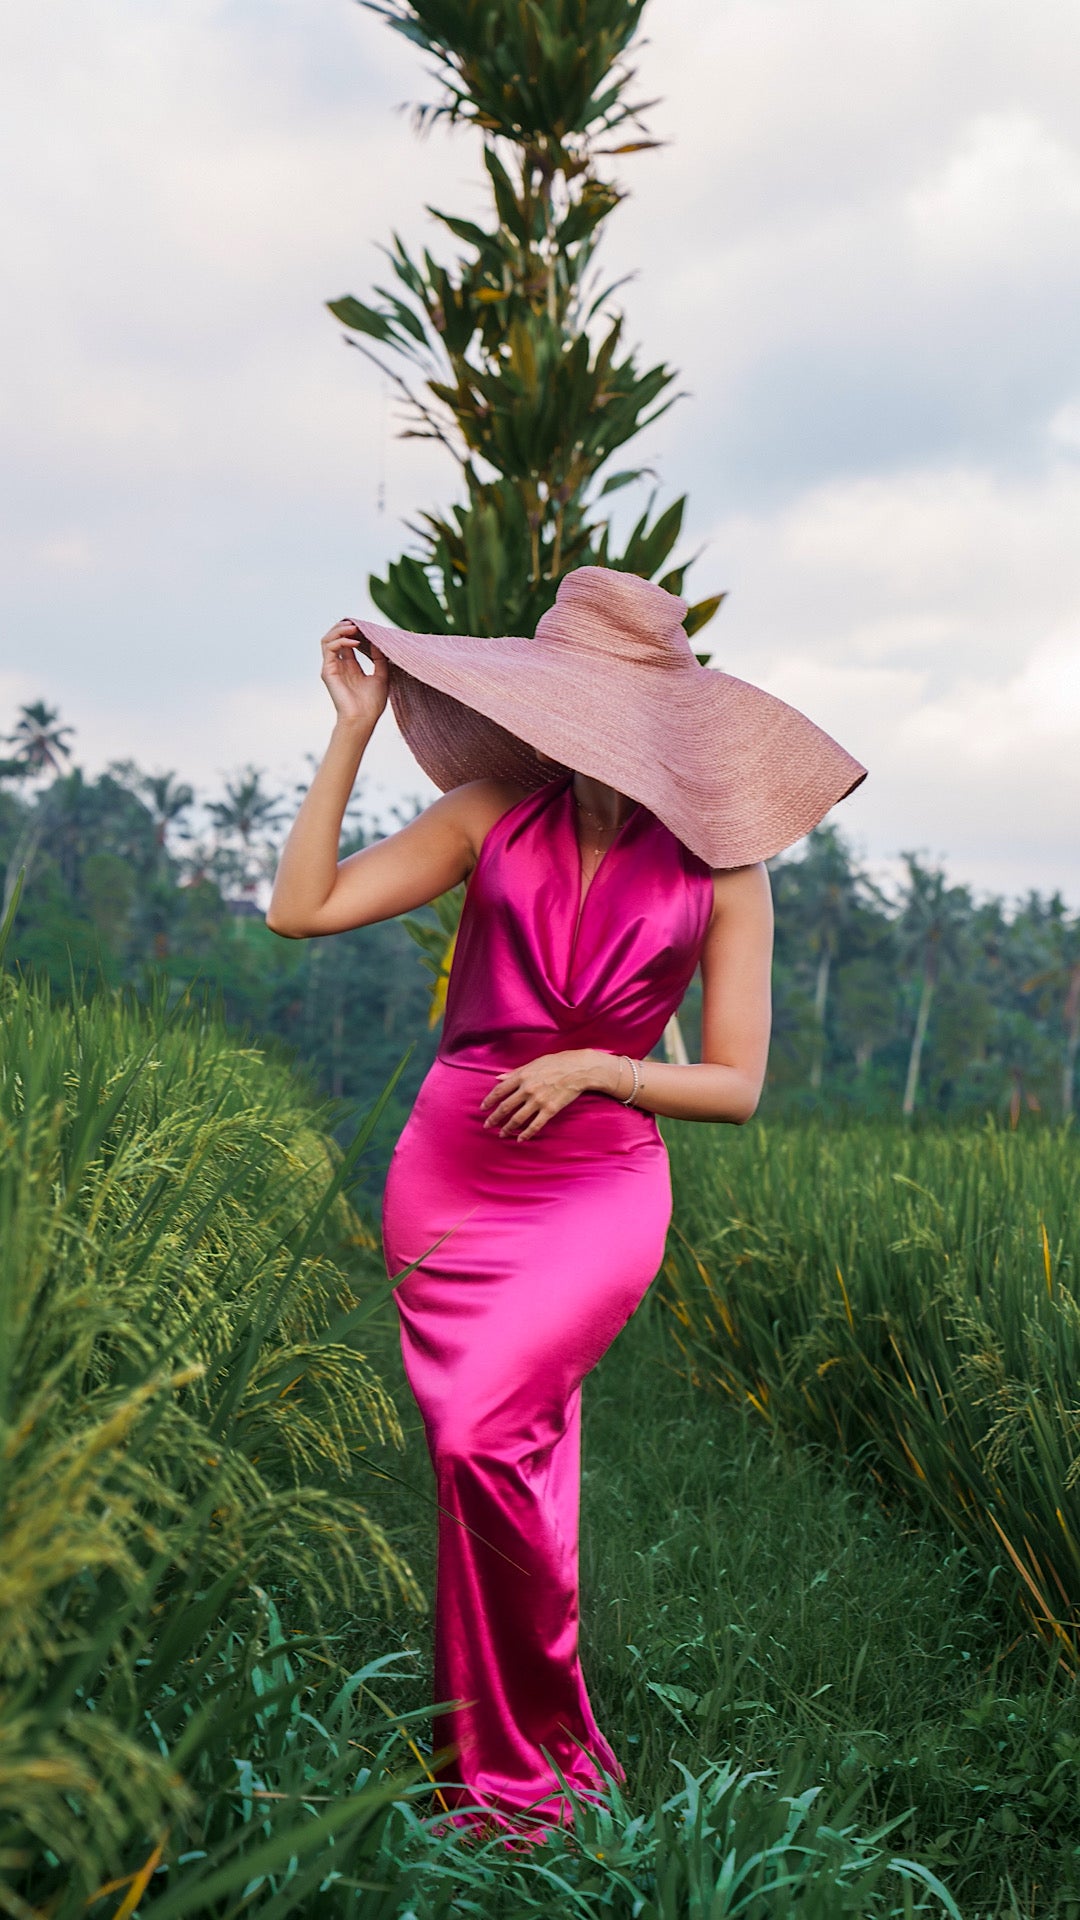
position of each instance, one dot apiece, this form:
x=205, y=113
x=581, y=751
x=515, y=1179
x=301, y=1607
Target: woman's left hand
x=523, y=1100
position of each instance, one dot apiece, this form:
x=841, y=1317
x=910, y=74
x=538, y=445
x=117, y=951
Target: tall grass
x=727, y=1843
x=184, y=1420
x=910, y=1302
x=199, y=1713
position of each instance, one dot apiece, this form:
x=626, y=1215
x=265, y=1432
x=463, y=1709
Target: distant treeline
x=926, y=1002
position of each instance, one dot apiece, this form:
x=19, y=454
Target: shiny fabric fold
x=533, y=1255
x=535, y=974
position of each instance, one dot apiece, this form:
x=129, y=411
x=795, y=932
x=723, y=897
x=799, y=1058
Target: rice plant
x=908, y=1301
x=184, y=1412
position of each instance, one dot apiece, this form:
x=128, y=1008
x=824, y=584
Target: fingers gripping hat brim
x=735, y=773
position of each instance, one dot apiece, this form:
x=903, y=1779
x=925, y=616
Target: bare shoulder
x=742, y=891
x=478, y=804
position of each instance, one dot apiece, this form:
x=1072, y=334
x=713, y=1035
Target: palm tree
x=246, y=812
x=826, y=890
x=1062, y=980
x=169, y=800
x=823, y=895
x=933, y=918
x=866, y=998
x=41, y=745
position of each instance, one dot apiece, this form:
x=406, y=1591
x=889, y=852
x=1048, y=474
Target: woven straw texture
x=610, y=687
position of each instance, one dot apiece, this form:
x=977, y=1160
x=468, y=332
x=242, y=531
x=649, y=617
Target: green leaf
x=506, y=200
x=464, y=229
x=617, y=480
x=298, y=1842
x=406, y=317
x=353, y=313
x=13, y=908
x=701, y=613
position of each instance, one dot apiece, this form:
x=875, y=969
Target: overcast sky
x=860, y=248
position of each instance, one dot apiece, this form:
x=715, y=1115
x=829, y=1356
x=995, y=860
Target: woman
x=611, y=804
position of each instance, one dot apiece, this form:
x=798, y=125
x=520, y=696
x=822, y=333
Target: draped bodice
x=533, y=972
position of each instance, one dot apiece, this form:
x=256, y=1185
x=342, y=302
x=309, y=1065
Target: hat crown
x=620, y=616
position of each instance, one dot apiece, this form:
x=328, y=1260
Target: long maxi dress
x=550, y=1244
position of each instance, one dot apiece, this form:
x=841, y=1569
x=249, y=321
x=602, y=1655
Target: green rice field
x=829, y=1511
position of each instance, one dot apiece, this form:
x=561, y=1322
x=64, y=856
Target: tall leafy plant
x=507, y=357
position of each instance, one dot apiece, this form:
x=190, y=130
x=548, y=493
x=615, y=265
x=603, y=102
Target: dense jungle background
x=920, y=1000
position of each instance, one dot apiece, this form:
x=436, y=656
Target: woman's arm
x=314, y=892
x=736, y=967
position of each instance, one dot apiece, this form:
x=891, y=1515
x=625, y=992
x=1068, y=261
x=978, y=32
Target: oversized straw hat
x=609, y=686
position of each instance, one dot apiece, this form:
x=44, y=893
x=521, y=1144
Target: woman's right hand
x=359, y=697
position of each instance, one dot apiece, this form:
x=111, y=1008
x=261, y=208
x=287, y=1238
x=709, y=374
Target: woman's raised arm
x=313, y=891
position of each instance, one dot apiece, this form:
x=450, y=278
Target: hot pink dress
x=550, y=1245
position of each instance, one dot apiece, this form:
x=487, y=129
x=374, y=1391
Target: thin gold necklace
x=598, y=817
x=597, y=852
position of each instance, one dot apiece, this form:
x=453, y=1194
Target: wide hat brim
x=734, y=772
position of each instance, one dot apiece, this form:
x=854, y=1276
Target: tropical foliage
x=131, y=879
x=509, y=358
x=188, y=1426
x=911, y=1301
x=916, y=999
x=185, y=1416
x=726, y=1842
x=924, y=998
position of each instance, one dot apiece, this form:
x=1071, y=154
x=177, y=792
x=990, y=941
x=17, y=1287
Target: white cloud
x=931, y=622
x=819, y=324
x=1063, y=427
x=185, y=201
x=957, y=564
x=1008, y=194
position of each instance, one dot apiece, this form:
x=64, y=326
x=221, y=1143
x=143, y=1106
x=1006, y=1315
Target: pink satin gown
x=550, y=1245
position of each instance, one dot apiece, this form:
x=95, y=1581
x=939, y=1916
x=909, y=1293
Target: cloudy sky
x=860, y=246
